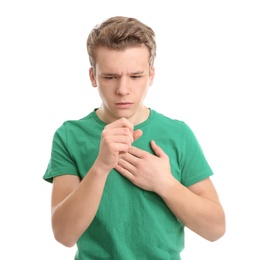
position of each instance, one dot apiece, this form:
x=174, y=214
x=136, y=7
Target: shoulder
x=75, y=125
x=175, y=129
x=167, y=122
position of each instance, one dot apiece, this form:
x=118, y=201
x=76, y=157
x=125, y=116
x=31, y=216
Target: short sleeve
x=194, y=165
x=61, y=161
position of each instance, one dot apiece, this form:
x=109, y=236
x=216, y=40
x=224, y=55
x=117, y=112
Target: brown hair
x=119, y=33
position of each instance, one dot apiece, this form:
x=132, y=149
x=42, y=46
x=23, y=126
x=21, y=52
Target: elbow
x=218, y=232
x=64, y=240
x=218, y=229
x=216, y=236
x=62, y=233
x=63, y=236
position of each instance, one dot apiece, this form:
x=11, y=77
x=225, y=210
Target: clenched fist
x=116, y=139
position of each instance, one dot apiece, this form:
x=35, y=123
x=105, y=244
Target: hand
x=116, y=139
x=147, y=171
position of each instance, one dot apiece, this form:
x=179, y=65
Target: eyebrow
x=114, y=74
x=137, y=72
x=108, y=74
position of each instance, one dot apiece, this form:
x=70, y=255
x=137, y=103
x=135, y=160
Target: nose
x=123, y=88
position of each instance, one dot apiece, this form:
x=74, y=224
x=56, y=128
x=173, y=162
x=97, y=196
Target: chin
x=123, y=113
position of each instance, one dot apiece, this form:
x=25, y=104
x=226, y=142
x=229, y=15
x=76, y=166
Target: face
x=122, y=78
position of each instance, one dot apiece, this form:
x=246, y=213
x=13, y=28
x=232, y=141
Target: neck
x=140, y=116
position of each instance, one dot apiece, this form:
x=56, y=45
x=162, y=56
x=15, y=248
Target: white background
x=205, y=76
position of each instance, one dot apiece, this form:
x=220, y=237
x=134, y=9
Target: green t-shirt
x=131, y=223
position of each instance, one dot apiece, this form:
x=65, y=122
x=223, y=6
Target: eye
x=135, y=77
x=110, y=77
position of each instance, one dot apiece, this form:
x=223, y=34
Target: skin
x=122, y=78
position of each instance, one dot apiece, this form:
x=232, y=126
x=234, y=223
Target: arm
x=74, y=201
x=197, y=206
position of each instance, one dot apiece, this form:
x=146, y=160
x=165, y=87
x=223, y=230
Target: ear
x=92, y=77
x=151, y=76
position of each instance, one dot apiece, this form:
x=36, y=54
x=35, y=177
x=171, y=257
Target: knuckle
x=126, y=131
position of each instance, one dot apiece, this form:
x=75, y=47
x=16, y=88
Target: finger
x=128, y=161
x=137, y=152
x=157, y=149
x=137, y=134
x=126, y=165
x=122, y=122
x=121, y=134
x=124, y=172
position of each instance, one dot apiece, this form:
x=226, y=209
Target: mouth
x=123, y=105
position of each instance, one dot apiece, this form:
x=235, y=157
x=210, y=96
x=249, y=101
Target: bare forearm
x=202, y=215
x=75, y=213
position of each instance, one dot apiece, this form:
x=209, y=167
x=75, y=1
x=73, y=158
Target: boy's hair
x=119, y=33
